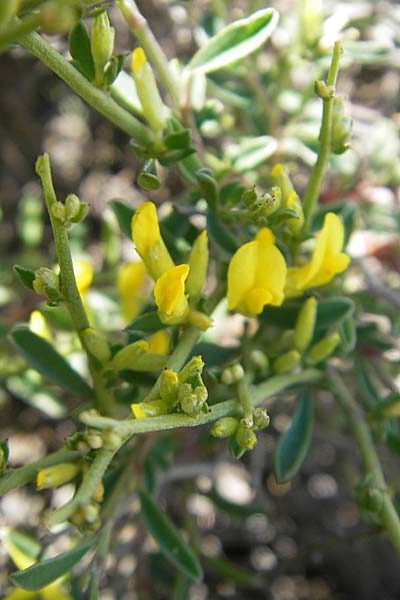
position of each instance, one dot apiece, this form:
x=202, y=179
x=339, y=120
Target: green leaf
x=147, y=323
x=348, y=336
x=113, y=68
x=42, y=357
x=45, y=572
x=178, y=140
x=79, y=48
x=234, y=42
x=254, y=151
x=169, y=539
x=295, y=441
x=26, y=276
x=124, y=216
x=30, y=388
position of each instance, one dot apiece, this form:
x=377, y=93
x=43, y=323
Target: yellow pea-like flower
x=148, y=241
x=170, y=297
x=327, y=259
x=130, y=279
x=256, y=275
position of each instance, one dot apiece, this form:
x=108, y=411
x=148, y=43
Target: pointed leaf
x=124, y=215
x=295, y=441
x=171, y=542
x=45, y=572
x=46, y=360
x=234, y=42
x=26, y=276
x=79, y=48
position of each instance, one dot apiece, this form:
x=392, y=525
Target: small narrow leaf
x=45, y=572
x=26, y=276
x=79, y=48
x=171, y=543
x=42, y=357
x=234, y=42
x=124, y=215
x=253, y=152
x=295, y=441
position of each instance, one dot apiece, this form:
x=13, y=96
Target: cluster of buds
x=260, y=207
x=177, y=288
x=241, y=431
x=71, y=211
x=290, y=201
x=47, y=283
x=178, y=392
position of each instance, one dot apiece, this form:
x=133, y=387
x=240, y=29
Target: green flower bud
x=289, y=198
x=154, y=109
x=154, y=408
x=56, y=475
x=260, y=418
x=272, y=201
x=111, y=440
x=286, y=362
x=127, y=357
x=224, y=427
x=246, y=438
x=94, y=440
x=96, y=344
x=191, y=401
x=199, y=319
x=232, y=374
x=58, y=211
x=323, y=90
x=249, y=197
x=192, y=368
x=101, y=44
x=72, y=207
x=259, y=360
x=8, y=10
x=169, y=384
x=198, y=262
x=324, y=348
x=305, y=324
x=57, y=18
x=98, y=493
x=47, y=283
x=90, y=512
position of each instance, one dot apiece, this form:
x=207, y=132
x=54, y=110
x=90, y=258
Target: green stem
x=15, y=478
x=69, y=287
x=260, y=393
x=139, y=27
x=245, y=398
x=388, y=514
x=98, y=99
x=313, y=189
x=90, y=481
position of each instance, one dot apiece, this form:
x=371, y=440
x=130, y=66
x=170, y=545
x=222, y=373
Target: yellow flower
x=327, y=259
x=169, y=294
x=56, y=475
x=148, y=241
x=130, y=279
x=256, y=275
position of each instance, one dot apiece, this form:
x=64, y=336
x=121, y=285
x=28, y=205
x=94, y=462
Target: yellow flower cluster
x=175, y=286
x=258, y=275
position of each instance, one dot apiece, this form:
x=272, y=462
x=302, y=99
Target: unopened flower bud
x=324, y=348
x=192, y=368
x=249, y=197
x=224, y=427
x=169, y=383
x=232, y=374
x=199, y=319
x=96, y=344
x=259, y=360
x=323, y=90
x=154, y=408
x=111, y=440
x=90, y=512
x=72, y=207
x=246, y=438
x=98, y=493
x=286, y=362
x=191, y=401
x=341, y=126
x=101, y=44
x=47, y=283
x=305, y=324
x=153, y=107
x=58, y=211
x=128, y=356
x=56, y=475
x=260, y=418
x=94, y=440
